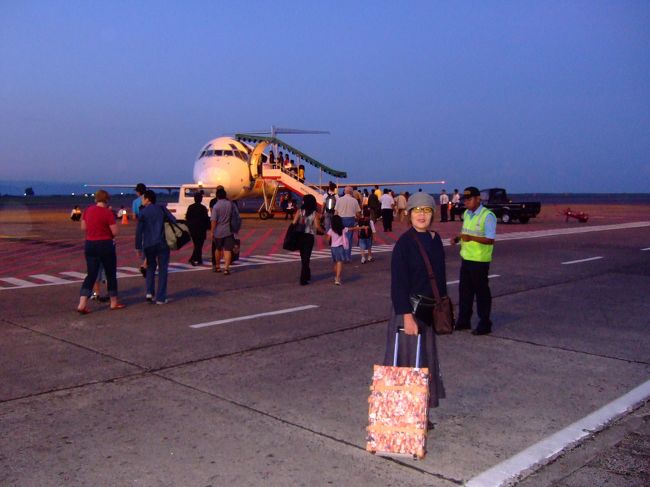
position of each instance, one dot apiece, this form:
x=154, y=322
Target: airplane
x=239, y=164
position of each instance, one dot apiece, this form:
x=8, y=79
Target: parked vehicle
x=186, y=198
x=507, y=211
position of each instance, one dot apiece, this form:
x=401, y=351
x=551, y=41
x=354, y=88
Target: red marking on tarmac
x=258, y=242
x=277, y=245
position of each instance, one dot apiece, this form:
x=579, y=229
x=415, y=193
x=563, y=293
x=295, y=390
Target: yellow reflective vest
x=475, y=225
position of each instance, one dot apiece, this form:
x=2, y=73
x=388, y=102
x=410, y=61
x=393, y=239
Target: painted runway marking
x=537, y=455
x=128, y=269
x=258, y=315
x=51, y=279
x=491, y=276
x=17, y=282
x=568, y=262
x=318, y=254
x=76, y=275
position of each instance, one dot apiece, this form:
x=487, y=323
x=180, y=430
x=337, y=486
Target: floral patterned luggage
x=398, y=409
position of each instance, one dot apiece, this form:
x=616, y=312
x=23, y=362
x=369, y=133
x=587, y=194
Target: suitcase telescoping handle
x=417, y=350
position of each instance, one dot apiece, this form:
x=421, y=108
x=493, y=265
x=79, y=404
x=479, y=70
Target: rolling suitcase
x=398, y=409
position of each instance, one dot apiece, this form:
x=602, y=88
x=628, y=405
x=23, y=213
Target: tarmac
x=272, y=388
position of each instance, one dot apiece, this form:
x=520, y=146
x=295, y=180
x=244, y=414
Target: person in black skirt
x=408, y=278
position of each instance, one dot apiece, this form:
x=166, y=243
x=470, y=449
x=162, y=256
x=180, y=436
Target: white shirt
x=347, y=206
x=387, y=201
x=401, y=202
x=455, y=198
x=444, y=199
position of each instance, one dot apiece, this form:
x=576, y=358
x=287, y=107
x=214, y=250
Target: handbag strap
x=427, y=263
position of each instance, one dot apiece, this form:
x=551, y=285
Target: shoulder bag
x=176, y=234
x=442, y=308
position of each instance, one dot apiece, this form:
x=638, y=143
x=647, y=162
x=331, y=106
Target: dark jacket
x=198, y=221
x=409, y=273
x=150, y=231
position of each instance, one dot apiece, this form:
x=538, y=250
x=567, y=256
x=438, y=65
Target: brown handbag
x=443, y=309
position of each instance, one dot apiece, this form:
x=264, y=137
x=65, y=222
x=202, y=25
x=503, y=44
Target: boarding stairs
x=289, y=180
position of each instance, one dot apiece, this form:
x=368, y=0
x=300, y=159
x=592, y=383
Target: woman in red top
x=99, y=224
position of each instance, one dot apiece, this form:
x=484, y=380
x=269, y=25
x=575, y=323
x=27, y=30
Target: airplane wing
x=387, y=184
x=383, y=184
x=168, y=187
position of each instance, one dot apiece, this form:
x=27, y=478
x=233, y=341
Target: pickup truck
x=496, y=199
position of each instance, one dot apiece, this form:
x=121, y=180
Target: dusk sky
x=532, y=96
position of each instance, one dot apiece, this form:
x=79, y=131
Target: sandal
x=118, y=306
x=83, y=311
x=226, y=272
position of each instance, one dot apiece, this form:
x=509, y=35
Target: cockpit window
x=227, y=153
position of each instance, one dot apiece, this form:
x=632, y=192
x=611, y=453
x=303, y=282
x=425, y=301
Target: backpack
x=235, y=218
x=330, y=203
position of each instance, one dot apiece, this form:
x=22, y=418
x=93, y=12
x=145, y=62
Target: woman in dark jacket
x=198, y=223
x=409, y=277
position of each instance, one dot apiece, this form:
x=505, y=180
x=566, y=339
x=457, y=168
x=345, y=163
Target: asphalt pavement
x=272, y=388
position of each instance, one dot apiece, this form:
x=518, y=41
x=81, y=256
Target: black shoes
x=462, y=327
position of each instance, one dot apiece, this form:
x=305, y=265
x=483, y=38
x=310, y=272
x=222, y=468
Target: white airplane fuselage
x=230, y=163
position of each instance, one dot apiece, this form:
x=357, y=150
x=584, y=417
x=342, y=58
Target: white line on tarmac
x=581, y=260
x=75, y=274
x=540, y=453
x=259, y=315
x=489, y=277
x=50, y=279
x=323, y=254
x=18, y=282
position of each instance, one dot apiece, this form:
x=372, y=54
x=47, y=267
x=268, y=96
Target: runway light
x=72, y=194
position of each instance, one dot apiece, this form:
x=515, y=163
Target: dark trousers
x=214, y=249
x=306, y=246
x=197, y=253
x=474, y=282
x=443, y=212
x=387, y=219
x=100, y=252
x=157, y=257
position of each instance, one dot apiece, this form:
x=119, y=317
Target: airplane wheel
x=264, y=215
x=505, y=218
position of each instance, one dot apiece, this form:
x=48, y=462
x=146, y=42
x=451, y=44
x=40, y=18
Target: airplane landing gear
x=265, y=215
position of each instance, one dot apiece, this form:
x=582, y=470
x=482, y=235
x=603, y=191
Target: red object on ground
x=581, y=216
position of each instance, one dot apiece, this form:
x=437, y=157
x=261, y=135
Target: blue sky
x=532, y=96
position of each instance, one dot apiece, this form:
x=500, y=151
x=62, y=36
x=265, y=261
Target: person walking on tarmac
x=476, y=245
x=198, y=222
x=455, y=199
x=444, y=206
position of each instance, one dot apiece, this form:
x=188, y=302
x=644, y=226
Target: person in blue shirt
x=135, y=209
x=151, y=244
x=138, y=202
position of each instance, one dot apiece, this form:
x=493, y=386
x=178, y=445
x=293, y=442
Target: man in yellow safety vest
x=476, y=244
